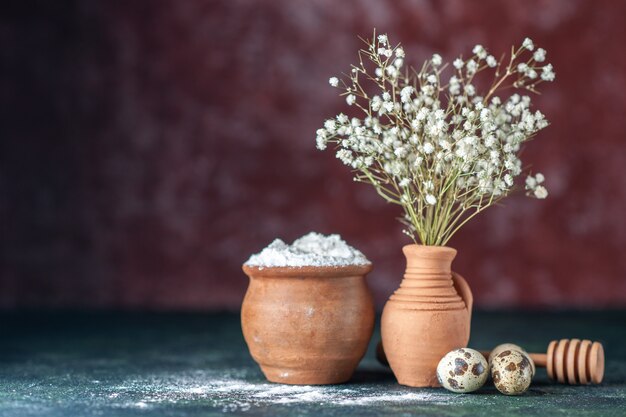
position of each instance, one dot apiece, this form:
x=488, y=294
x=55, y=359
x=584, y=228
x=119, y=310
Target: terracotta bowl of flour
x=308, y=324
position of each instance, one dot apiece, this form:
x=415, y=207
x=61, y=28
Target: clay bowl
x=307, y=325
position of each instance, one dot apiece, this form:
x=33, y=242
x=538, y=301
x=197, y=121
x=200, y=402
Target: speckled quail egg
x=462, y=370
x=511, y=371
x=509, y=346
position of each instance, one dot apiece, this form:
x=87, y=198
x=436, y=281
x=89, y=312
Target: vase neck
x=427, y=283
x=428, y=262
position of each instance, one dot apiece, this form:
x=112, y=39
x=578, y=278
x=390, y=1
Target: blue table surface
x=127, y=364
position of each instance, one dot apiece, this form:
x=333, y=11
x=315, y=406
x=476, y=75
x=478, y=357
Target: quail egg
x=509, y=346
x=512, y=372
x=462, y=370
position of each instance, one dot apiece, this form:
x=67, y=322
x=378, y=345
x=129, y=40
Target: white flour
x=313, y=249
x=230, y=394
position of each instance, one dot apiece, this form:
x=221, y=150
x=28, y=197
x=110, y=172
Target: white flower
x=436, y=60
x=329, y=125
x=539, y=178
x=342, y=118
x=427, y=139
x=540, y=192
x=400, y=152
x=472, y=66
x=540, y=55
x=455, y=85
x=405, y=94
x=480, y=51
x=547, y=74
x=345, y=156
x=528, y=44
x=392, y=71
x=321, y=139
x=376, y=103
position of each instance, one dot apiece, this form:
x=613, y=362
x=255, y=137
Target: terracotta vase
x=428, y=316
x=308, y=325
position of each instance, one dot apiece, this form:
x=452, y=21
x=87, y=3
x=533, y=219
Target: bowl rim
x=329, y=271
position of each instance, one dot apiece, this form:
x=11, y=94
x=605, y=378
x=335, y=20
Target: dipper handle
x=571, y=361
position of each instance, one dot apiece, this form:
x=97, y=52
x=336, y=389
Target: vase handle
x=464, y=291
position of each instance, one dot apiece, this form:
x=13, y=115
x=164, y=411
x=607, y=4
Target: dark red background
x=148, y=147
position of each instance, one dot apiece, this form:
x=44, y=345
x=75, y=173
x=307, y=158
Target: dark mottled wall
x=148, y=147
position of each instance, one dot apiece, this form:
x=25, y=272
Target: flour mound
x=313, y=249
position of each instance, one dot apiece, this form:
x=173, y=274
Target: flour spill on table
x=313, y=249
x=231, y=393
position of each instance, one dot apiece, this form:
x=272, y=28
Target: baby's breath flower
x=480, y=51
x=436, y=60
x=472, y=67
x=329, y=125
x=539, y=55
x=321, y=139
x=539, y=178
x=342, y=118
x=547, y=74
x=405, y=93
x=528, y=44
x=540, y=192
x=424, y=137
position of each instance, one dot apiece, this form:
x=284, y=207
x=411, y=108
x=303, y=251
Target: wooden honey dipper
x=571, y=361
